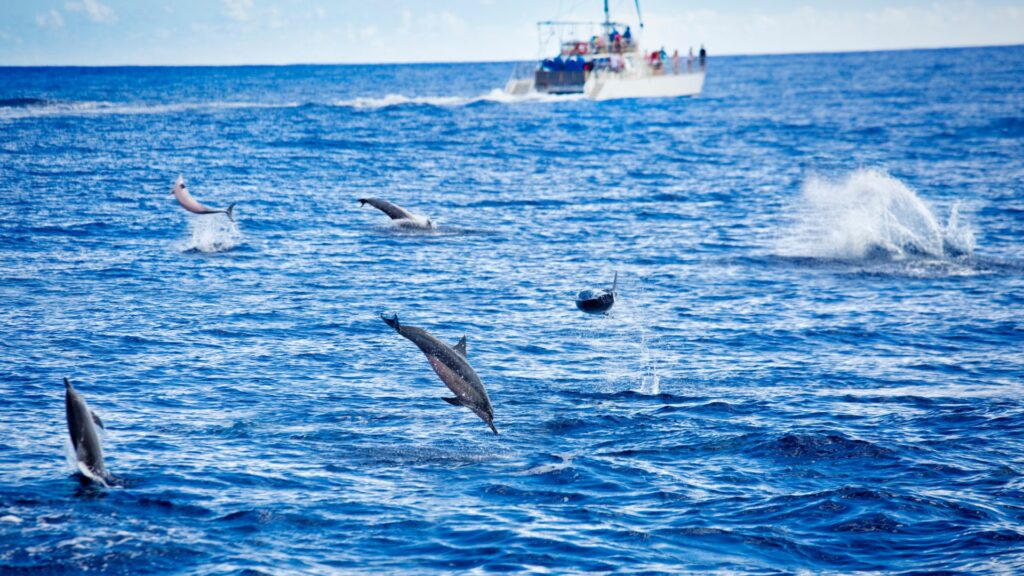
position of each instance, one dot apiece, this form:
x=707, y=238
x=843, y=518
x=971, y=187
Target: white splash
x=650, y=382
x=871, y=214
x=565, y=462
x=496, y=95
x=212, y=233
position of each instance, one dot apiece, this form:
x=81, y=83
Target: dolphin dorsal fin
x=97, y=420
x=461, y=347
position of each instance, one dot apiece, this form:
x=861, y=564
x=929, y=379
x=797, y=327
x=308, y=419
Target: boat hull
x=613, y=87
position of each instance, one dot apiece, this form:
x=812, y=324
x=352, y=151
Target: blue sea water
x=816, y=362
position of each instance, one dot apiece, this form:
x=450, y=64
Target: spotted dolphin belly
x=455, y=382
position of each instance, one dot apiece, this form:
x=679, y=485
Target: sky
x=191, y=32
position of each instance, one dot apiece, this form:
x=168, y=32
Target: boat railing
x=645, y=67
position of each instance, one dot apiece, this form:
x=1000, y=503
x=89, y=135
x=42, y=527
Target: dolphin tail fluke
x=393, y=321
x=362, y=202
x=231, y=212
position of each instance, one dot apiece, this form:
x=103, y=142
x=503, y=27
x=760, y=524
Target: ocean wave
x=869, y=215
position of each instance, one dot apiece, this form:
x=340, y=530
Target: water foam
x=497, y=95
x=212, y=233
x=870, y=214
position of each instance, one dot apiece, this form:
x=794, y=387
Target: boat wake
x=23, y=108
x=496, y=96
x=212, y=233
x=870, y=215
x=28, y=108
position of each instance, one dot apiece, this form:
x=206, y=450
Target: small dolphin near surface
x=451, y=365
x=597, y=301
x=85, y=438
x=400, y=215
x=192, y=205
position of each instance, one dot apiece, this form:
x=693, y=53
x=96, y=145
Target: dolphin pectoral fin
x=461, y=347
x=454, y=401
x=97, y=420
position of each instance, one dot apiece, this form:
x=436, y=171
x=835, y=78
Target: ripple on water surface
x=813, y=364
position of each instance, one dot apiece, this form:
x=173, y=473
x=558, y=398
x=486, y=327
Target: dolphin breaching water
x=597, y=301
x=401, y=216
x=192, y=205
x=85, y=437
x=452, y=367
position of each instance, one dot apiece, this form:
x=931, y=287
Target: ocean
x=815, y=363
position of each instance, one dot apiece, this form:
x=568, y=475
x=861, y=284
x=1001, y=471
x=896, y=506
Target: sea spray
x=650, y=380
x=870, y=214
x=212, y=233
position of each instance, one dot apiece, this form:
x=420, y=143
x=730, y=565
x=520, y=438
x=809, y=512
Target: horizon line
x=442, y=62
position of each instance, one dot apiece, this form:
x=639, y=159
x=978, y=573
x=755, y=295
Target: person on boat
x=703, y=56
x=655, y=60
x=615, y=63
x=675, y=61
x=627, y=36
x=689, y=61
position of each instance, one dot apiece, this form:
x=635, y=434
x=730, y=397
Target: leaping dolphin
x=451, y=365
x=192, y=205
x=597, y=301
x=400, y=215
x=85, y=438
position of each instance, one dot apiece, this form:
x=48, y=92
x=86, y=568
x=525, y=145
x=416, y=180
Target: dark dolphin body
x=597, y=301
x=85, y=438
x=397, y=213
x=450, y=364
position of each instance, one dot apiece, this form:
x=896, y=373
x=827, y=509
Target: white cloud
x=240, y=10
x=94, y=9
x=50, y=19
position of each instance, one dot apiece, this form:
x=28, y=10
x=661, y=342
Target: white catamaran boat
x=606, y=65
